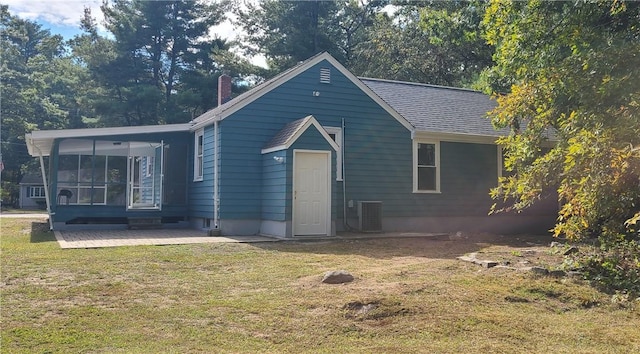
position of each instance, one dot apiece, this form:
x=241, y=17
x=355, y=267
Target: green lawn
x=268, y=298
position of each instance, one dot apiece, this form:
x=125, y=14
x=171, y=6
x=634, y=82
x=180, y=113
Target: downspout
x=216, y=196
x=345, y=223
x=46, y=185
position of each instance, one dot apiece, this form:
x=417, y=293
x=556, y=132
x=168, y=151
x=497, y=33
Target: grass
x=410, y=295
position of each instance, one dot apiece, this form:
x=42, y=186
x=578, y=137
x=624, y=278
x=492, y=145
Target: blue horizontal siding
x=66, y=213
x=274, y=187
x=245, y=133
x=378, y=155
x=201, y=192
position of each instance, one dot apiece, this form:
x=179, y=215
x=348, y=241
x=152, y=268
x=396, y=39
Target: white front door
x=311, y=191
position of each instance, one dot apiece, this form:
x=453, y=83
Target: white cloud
x=61, y=13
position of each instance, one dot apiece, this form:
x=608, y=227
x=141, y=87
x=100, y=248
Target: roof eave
x=39, y=142
x=457, y=137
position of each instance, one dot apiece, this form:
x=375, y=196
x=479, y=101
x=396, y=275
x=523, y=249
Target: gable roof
x=31, y=178
x=292, y=131
x=225, y=110
x=438, y=109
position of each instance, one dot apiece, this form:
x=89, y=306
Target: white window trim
x=31, y=193
x=436, y=143
x=337, y=131
x=198, y=168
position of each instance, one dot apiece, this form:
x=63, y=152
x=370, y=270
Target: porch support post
x=46, y=187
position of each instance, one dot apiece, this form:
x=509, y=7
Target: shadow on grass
x=386, y=248
x=40, y=233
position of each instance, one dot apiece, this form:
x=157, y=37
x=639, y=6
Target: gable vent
x=325, y=75
x=370, y=216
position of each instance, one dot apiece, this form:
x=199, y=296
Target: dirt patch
x=519, y=252
x=374, y=309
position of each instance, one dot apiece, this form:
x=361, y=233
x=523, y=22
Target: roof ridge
x=420, y=84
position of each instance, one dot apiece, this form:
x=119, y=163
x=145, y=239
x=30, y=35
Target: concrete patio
x=68, y=239
x=116, y=238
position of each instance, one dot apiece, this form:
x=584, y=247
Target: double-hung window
x=198, y=162
x=426, y=171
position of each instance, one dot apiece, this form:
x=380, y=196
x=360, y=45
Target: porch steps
x=144, y=223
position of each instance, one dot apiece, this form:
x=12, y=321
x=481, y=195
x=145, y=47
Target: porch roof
x=292, y=131
x=39, y=142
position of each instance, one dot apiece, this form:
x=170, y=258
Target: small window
x=198, y=163
x=336, y=134
x=325, y=75
x=426, y=176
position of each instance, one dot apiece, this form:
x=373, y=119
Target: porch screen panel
x=175, y=175
x=116, y=180
x=68, y=176
x=85, y=179
x=99, y=180
x=93, y=171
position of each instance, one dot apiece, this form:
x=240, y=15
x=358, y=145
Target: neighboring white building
x=32, y=191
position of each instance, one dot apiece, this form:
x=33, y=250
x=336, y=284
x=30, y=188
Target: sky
x=63, y=17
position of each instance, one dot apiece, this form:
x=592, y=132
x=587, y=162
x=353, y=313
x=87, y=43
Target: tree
x=156, y=45
x=436, y=42
x=40, y=87
x=288, y=32
x=574, y=71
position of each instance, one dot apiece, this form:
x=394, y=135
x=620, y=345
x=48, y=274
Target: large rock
x=472, y=258
x=337, y=277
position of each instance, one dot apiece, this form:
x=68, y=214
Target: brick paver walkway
x=115, y=238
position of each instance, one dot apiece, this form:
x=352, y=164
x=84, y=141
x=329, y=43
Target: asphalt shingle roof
x=289, y=130
x=437, y=109
x=31, y=178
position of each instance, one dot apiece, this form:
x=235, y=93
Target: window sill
x=427, y=192
x=198, y=179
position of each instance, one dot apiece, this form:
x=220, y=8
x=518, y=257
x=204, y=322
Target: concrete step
x=144, y=223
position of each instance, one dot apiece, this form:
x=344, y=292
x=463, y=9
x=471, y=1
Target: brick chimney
x=224, y=89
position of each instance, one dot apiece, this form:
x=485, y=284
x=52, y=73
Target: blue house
x=313, y=151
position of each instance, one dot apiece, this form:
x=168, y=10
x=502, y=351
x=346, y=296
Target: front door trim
x=296, y=152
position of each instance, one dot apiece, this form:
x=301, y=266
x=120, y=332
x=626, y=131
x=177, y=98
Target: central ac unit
x=370, y=216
